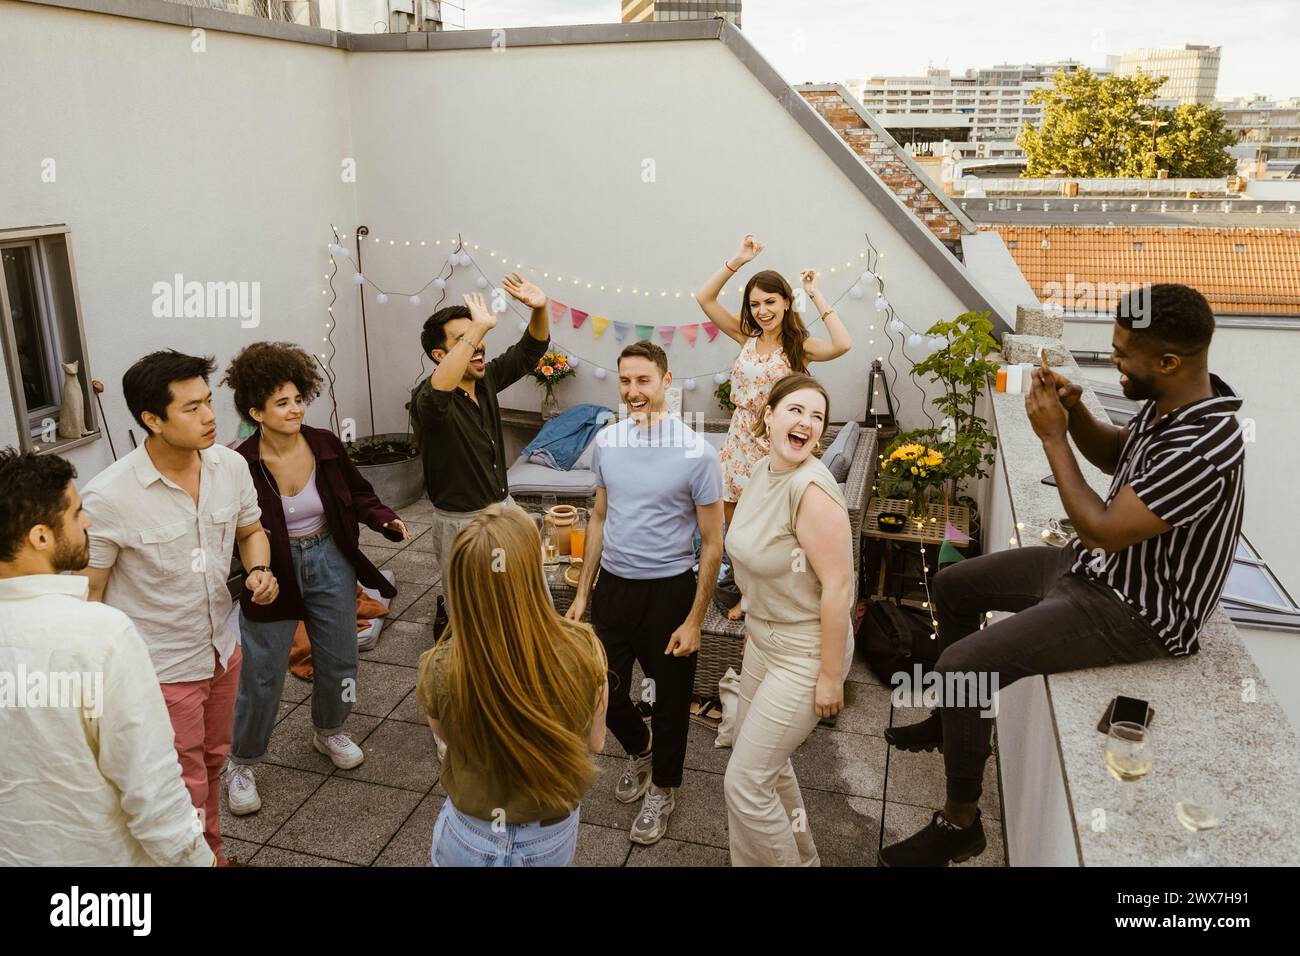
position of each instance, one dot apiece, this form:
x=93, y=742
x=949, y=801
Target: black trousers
x=1064, y=622
x=634, y=620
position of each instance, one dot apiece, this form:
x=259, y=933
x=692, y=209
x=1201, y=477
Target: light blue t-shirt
x=653, y=478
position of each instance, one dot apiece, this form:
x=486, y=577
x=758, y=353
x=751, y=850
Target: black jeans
x=634, y=619
x=1064, y=622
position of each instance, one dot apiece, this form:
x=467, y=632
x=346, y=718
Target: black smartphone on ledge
x=1130, y=709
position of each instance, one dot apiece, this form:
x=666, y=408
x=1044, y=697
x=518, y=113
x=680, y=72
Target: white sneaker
x=241, y=789
x=340, y=749
x=652, y=822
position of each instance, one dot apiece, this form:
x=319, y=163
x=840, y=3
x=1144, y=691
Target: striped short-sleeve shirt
x=1187, y=468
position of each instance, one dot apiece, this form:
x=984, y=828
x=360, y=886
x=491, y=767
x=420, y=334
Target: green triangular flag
x=948, y=553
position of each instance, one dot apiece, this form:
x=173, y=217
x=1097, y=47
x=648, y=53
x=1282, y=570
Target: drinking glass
x=1128, y=751
x=550, y=543
x=1198, y=805
x=578, y=534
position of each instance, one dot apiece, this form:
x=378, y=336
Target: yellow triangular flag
x=598, y=324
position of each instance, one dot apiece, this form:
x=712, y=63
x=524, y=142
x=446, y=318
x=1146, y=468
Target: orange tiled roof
x=1237, y=270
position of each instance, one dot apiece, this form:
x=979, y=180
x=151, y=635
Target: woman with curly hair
x=312, y=500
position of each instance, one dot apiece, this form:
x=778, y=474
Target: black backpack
x=894, y=638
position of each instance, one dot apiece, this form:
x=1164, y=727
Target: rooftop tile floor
x=381, y=813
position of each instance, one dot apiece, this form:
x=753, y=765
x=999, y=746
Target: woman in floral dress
x=774, y=342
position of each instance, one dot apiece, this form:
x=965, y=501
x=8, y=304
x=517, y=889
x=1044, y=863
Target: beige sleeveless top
x=771, y=568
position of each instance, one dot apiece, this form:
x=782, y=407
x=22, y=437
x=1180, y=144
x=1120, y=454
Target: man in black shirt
x=455, y=410
x=1138, y=583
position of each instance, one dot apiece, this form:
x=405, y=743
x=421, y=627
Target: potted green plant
x=963, y=368
x=391, y=463
x=723, y=394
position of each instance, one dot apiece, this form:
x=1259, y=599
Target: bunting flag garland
x=643, y=332
x=690, y=331
x=666, y=333
x=621, y=329
x=710, y=330
x=578, y=317
x=557, y=310
x=598, y=325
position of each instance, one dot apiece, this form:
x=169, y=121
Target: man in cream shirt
x=88, y=768
x=167, y=518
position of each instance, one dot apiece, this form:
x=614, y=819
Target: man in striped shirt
x=1145, y=572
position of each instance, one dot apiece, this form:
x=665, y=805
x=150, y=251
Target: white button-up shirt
x=170, y=557
x=88, y=768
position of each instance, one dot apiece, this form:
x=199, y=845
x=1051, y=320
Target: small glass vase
x=550, y=404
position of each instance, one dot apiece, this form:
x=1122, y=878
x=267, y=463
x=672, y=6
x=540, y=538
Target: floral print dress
x=752, y=378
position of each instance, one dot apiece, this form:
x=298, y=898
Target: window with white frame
x=44, y=342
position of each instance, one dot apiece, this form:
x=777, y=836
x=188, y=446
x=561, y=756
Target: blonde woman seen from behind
x=519, y=695
x=791, y=547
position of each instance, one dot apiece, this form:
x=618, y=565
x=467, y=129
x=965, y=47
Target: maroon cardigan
x=348, y=499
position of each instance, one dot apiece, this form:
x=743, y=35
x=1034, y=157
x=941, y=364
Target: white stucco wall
x=222, y=165
x=539, y=151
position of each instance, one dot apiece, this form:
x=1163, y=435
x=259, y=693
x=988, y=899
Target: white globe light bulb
x=358, y=278
x=381, y=298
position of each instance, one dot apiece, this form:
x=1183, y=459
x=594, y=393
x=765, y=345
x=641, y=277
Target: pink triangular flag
x=578, y=317
x=950, y=533
x=691, y=331
x=557, y=310
x=666, y=333
x=710, y=330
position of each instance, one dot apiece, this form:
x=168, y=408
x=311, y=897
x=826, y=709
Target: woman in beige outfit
x=791, y=547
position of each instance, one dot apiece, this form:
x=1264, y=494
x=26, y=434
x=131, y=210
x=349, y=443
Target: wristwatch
x=260, y=567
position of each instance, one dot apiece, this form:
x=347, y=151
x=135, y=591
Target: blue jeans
x=460, y=840
x=328, y=583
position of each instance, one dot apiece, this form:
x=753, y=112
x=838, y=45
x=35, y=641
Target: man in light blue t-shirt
x=656, y=482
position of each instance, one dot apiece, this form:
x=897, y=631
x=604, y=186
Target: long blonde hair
x=521, y=679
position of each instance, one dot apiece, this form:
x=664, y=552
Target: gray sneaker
x=652, y=822
x=635, y=779
x=241, y=789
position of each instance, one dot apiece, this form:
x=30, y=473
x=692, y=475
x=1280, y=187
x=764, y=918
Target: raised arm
x=451, y=369
x=707, y=297
x=1101, y=527
x=823, y=350
x=1100, y=443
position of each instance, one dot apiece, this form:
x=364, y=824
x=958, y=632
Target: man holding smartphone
x=1138, y=582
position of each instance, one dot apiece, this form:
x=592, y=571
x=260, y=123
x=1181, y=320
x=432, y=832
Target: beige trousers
x=766, y=820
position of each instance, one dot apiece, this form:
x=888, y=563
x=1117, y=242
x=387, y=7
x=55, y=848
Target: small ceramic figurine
x=72, y=416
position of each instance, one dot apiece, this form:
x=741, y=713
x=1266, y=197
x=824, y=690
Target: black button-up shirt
x=461, y=446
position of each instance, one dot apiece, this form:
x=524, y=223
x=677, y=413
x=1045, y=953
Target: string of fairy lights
x=458, y=252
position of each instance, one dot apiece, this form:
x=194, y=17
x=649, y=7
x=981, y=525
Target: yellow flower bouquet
x=911, y=470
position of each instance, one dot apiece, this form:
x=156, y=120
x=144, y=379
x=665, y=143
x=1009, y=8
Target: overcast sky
x=827, y=40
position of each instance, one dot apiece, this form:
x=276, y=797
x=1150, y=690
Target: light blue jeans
x=328, y=584
x=460, y=840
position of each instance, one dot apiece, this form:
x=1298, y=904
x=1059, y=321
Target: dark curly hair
x=261, y=368
x=33, y=490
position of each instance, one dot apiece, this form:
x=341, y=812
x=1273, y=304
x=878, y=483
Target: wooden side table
x=927, y=530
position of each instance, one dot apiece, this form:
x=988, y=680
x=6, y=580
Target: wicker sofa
x=722, y=640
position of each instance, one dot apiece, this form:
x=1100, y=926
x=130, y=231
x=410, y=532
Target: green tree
x=1195, y=145
x=1109, y=127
